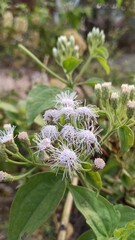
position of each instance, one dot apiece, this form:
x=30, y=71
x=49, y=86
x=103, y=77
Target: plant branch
x=66, y=214
x=31, y=55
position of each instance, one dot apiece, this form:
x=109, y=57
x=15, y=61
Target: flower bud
x=106, y=90
x=99, y=164
x=125, y=89
x=130, y=108
x=23, y=137
x=3, y=154
x=96, y=37
x=114, y=100
x=98, y=90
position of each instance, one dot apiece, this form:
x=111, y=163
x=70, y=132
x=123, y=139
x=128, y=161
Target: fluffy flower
x=43, y=144
x=52, y=115
x=67, y=159
x=99, y=163
x=50, y=131
x=87, y=139
x=68, y=133
x=68, y=112
x=67, y=99
x=86, y=113
x=6, y=135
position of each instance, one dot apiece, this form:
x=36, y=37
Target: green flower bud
x=106, y=90
x=114, y=100
x=98, y=90
x=130, y=108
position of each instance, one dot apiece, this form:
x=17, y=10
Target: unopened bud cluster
x=66, y=47
x=122, y=103
x=96, y=37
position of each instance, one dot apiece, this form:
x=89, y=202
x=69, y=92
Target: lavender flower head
x=6, y=135
x=43, y=144
x=66, y=158
x=49, y=131
x=67, y=99
x=85, y=113
x=52, y=115
x=68, y=133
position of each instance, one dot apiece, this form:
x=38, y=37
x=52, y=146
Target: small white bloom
x=125, y=88
x=68, y=133
x=86, y=113
x=51, y=115
x=107, y=85
x=68, y=112
x=67, y=99
x=66, y=158
x=43, y=144
x=98, y=86
x=87, y=139
x=6, y=135
x=23, y=136
x=114, y=95
x=99, y=163
x=50, y=131
x=131, y=104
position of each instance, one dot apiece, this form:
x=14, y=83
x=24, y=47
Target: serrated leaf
x=104, y=64
x=71, y=63
x=103, y=52
x=126, y=137
x=39, y=99
x=93, y=81
x=100, y=215
x=34, y=203
x=93, y=179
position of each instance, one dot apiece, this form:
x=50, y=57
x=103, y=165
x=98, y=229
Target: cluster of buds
x=69, y=138
x=122, y=103
x=96, y=38
x=66, y=47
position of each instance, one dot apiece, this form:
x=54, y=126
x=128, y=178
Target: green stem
x=31, y=55
x=25, y=174
x=81, y=178
x=15, y=162
x=83, y=69
x=108, y=134
x=17, y=155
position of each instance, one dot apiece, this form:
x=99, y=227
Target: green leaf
x=34, y=203
x=98, y=212
x=39, y=99
x=71, y=63
x=102, y=51
x=93, y=179
x=89, y=235
x=8, y=107
x=104, y=64
x=93, y=81
x=128, y=232
x=127, y=214
x=126, y=137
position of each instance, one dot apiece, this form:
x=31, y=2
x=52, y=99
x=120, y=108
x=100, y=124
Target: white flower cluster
x=68, y=134
x=65, y=48
x=96, y=37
